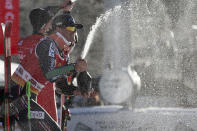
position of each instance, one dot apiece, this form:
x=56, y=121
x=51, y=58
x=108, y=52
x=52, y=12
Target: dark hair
x=38, y=17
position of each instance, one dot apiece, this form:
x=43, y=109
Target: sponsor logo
x=20, y=42
x=9, y=12
x=21, y=72
x=82, y=127
x=51, y=51
x=37, y=115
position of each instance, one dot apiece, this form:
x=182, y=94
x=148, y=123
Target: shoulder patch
x=20, y=42
x=52, y=50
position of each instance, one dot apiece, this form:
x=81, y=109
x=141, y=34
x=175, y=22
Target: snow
x=112, y=118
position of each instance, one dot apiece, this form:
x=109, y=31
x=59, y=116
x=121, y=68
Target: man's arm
x=46, y=54
x=65, y=6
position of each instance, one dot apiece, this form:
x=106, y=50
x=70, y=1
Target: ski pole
x=7, y=63
x=28, y=93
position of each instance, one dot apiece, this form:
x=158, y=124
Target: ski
x=62, y=98
x=65, y=112
x=64, y=107
x=7, y=67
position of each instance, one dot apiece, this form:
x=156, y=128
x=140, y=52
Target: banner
x=9, y=12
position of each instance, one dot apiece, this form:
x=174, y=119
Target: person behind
x=39, y=17
x=43, y=65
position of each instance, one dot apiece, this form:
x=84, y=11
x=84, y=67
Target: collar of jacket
x=62, y=42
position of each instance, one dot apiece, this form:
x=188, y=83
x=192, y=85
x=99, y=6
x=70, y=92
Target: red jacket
x=29, y=69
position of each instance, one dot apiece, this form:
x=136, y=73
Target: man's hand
x=81, y=65
x=67, y=5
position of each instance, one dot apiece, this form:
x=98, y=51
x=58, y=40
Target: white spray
x=91, y=34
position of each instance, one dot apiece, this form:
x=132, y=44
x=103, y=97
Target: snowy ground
x=116, y=118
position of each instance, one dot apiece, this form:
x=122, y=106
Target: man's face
x=69, y=35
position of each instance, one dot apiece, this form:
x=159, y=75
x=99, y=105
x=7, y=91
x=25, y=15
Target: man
x=40, y=19
x=43, y=65
x=50, y=104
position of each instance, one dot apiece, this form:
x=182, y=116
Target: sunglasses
x=71, y=28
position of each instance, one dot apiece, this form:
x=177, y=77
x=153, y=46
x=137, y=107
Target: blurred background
x=158, y=38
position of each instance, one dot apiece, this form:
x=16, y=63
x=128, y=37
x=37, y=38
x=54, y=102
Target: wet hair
x=38, y=18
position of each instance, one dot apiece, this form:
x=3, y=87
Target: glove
x=84, y=82
x=81, y=65
x=62, y=87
